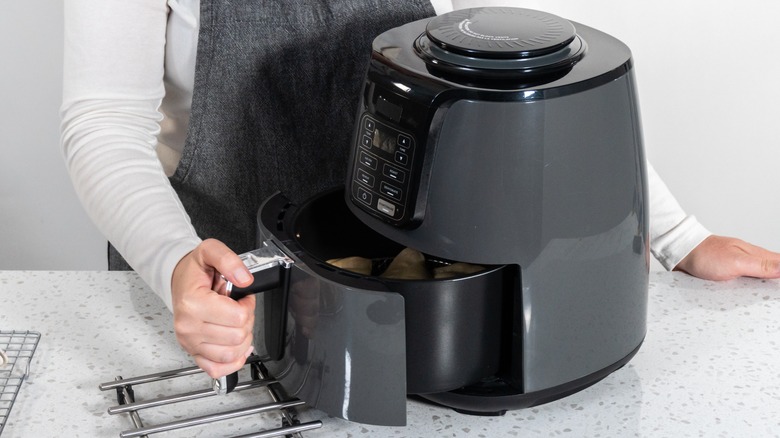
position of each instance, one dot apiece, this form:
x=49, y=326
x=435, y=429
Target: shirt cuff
x=674, y=245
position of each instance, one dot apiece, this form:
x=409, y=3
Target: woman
x=164, y=150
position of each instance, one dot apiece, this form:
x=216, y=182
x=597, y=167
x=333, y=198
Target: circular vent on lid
x=499, y=42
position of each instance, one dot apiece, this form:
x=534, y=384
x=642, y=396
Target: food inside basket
x=409, y=264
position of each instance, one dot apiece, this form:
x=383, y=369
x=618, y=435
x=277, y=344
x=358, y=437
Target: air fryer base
x=496, y=397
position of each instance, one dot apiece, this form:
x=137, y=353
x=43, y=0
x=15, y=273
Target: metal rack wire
x=19, y=348
x=260, y=380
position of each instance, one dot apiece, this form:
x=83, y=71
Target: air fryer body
x=550, y=177
x=540, y=177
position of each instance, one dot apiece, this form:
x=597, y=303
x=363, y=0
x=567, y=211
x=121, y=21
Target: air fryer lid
x=500, y=41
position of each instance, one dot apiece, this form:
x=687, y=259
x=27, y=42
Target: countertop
x=710, y=366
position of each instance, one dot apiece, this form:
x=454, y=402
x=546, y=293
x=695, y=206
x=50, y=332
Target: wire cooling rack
x=19, y=347
x=282, y=406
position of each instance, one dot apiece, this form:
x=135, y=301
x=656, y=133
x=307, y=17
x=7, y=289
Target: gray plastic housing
x=551, y=178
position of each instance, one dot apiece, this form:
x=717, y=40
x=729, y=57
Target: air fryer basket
x=453, y=326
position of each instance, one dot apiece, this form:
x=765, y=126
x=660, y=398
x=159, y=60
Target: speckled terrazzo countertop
x=709, y=367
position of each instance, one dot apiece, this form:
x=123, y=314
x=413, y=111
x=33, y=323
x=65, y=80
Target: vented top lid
x=489, y=41
x=500, y=32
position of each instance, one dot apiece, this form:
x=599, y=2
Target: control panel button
x=365, y=141
x=394, y=173
x=385, y=207
x=365, y=178
x=390, y=191
x=402, y=158
x=364, y=195
x=367, y=160
x=404, y=141
x=369, y=125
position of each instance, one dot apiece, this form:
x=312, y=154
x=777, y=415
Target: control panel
x=382, y=173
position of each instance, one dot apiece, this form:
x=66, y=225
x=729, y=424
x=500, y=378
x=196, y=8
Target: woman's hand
x=210, y=326
x=725, y=258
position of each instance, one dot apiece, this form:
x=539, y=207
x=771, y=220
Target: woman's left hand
x=726, y=258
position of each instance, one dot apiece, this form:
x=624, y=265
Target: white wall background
x=42, y=224
x=707, y=74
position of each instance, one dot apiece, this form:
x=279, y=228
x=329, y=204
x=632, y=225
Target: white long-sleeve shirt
x=127, y=90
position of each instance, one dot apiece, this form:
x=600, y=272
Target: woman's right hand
x=215, y=329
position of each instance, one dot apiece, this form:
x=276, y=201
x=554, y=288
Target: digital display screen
x=385, y=141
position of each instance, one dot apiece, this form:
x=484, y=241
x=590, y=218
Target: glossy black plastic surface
x=501, y=33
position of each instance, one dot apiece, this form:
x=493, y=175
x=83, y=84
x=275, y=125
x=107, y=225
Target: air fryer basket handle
x=261, y=263
x=270, y=267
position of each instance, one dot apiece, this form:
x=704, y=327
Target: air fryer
x=502, y=137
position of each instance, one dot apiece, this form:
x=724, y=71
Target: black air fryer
x=500, y=137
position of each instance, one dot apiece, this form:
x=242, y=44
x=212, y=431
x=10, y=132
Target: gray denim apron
x=276, y=92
